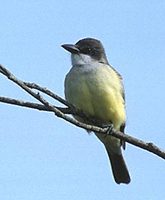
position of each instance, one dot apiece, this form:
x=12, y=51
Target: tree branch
x=48, y=92
x=62, y=112
x=36, y=106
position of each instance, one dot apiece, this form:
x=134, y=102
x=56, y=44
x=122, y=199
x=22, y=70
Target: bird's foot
x=110, y=129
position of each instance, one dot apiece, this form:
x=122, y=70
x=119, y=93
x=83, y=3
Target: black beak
x=71, y=48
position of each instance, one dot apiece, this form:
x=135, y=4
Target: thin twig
x=32, y=105
x=48, y=92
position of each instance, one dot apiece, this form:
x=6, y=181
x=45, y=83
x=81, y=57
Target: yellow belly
x=98, y=94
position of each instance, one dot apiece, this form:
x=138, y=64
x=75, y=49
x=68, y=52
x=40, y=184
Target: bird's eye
x=86, y=50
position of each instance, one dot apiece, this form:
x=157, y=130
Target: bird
x=94, y=87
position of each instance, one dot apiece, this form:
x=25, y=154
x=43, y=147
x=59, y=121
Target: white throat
x=82, y=59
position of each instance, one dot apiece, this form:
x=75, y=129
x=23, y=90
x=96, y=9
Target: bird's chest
x=91, y=91
x=79, y=87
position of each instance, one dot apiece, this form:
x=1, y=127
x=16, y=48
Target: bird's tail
x=119, y=168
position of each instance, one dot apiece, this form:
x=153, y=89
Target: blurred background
x=42, y=156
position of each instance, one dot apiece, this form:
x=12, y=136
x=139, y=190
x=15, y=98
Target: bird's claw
x=110, y=129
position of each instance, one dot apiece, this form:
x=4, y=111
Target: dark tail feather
x=119, y=168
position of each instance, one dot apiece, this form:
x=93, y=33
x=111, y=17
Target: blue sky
x=43, y=157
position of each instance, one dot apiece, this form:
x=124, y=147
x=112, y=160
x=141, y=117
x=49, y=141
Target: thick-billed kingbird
x=95, y=87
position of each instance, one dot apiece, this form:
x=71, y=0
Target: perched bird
x=95, y=87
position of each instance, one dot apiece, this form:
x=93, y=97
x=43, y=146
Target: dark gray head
x=90, y=47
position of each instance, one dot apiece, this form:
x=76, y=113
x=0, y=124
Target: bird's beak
x=71, y=48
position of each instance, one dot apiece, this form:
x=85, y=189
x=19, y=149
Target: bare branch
x=61, y=112
x=149, y=146
x=32, y=105
x=48, y=92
